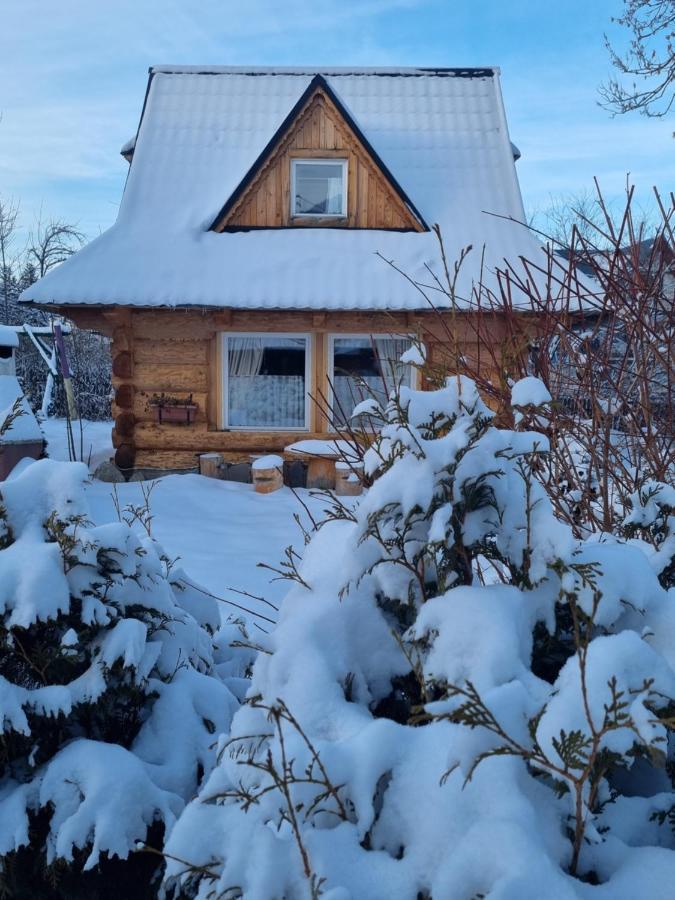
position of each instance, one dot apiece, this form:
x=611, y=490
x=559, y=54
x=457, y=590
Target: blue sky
x=73, y=75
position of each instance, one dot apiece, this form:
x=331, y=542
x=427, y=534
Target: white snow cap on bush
x=415, y=355
x=399, y=740
x=124, y=637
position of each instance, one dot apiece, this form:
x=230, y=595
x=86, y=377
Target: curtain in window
x=244, y=356
x=378, y=371
x=334, y=196
x=264, y=389
x=389, y=352
x=267, y=401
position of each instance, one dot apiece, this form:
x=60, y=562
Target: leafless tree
x=566, y=213
x=597, y=325
x=52, y=242
x=650, y=59
x=9, y=211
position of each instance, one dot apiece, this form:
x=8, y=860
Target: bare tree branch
x=650, y=58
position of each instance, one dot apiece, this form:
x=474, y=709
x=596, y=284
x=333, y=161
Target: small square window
x=319, y=187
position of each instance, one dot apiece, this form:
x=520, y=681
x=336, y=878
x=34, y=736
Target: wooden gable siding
x=320, y=131
x=177, y=352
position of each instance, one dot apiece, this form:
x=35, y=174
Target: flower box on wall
x=172, y=410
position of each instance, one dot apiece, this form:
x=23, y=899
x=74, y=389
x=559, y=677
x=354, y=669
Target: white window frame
x=224, y=355
x=314, y=161
x=414, y=372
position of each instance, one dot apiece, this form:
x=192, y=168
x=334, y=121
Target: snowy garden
x=450, y=691
x=337, y=484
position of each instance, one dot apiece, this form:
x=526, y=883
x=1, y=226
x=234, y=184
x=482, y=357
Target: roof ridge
x=337, y=71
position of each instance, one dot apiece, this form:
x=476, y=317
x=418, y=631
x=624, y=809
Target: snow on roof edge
x=457, y=71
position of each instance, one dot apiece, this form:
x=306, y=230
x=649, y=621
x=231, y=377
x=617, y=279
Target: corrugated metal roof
x=441, y=133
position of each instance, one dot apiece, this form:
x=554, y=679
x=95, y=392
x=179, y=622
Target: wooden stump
x=211, y=465
x=321, y=472
x=348, y=482
x=267, y=474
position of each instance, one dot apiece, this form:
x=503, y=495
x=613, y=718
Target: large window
x=362, y=366
x=265, y=378
x=318, y=187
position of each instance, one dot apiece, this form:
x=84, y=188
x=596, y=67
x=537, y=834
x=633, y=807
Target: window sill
x=314, y=221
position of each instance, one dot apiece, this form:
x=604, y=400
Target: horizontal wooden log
x=191, y=325
x=174, y=325
x=155, y=378
x=171, y=352
x=166, y=459
x=179, y=437
x=89, y=319
x=202, y=324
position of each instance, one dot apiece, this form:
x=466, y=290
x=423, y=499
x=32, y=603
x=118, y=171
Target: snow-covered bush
x=652, y=518
x=460, y=700
x=110, y=697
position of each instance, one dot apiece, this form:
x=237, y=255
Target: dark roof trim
x=415, y=72
x=231, y=229
x=208, y=309
x=317, y=82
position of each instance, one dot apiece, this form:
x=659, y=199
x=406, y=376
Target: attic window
x=319, y=188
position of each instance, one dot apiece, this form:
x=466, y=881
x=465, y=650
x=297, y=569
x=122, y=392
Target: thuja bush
x=109, y=693
x=462, y=698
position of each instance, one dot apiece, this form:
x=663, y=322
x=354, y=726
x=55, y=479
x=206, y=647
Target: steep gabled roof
x=316, y=85
x=440, y=134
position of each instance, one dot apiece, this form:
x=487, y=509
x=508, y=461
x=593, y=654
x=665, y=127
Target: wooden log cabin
x=249, y=268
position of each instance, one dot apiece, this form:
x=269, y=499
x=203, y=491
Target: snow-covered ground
x=219, y=530
x=96, y=440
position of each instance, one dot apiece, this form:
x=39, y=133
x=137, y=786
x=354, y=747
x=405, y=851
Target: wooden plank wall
x=320, y=131
x=177, y=352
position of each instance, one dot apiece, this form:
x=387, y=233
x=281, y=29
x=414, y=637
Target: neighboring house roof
x=440, y=134
x=652, y=257
x=8, y=337
x=25, y=428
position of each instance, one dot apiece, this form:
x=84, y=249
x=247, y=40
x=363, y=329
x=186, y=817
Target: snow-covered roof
x=8, y=337
x=25, y=428
x=442, y=134
x=127, y=147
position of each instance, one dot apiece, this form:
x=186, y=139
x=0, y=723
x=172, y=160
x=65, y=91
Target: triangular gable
x=319, y=125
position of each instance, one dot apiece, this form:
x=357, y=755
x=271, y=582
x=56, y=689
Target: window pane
x=366, y=367
x=266, y=382
x=319, y=189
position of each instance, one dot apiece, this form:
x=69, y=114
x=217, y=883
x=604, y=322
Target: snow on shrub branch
x=109, y=691
x=459, y=696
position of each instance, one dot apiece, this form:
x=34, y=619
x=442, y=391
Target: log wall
x=176, y=352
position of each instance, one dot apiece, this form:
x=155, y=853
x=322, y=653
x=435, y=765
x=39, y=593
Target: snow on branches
x=459, y=695
x=109, y=691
